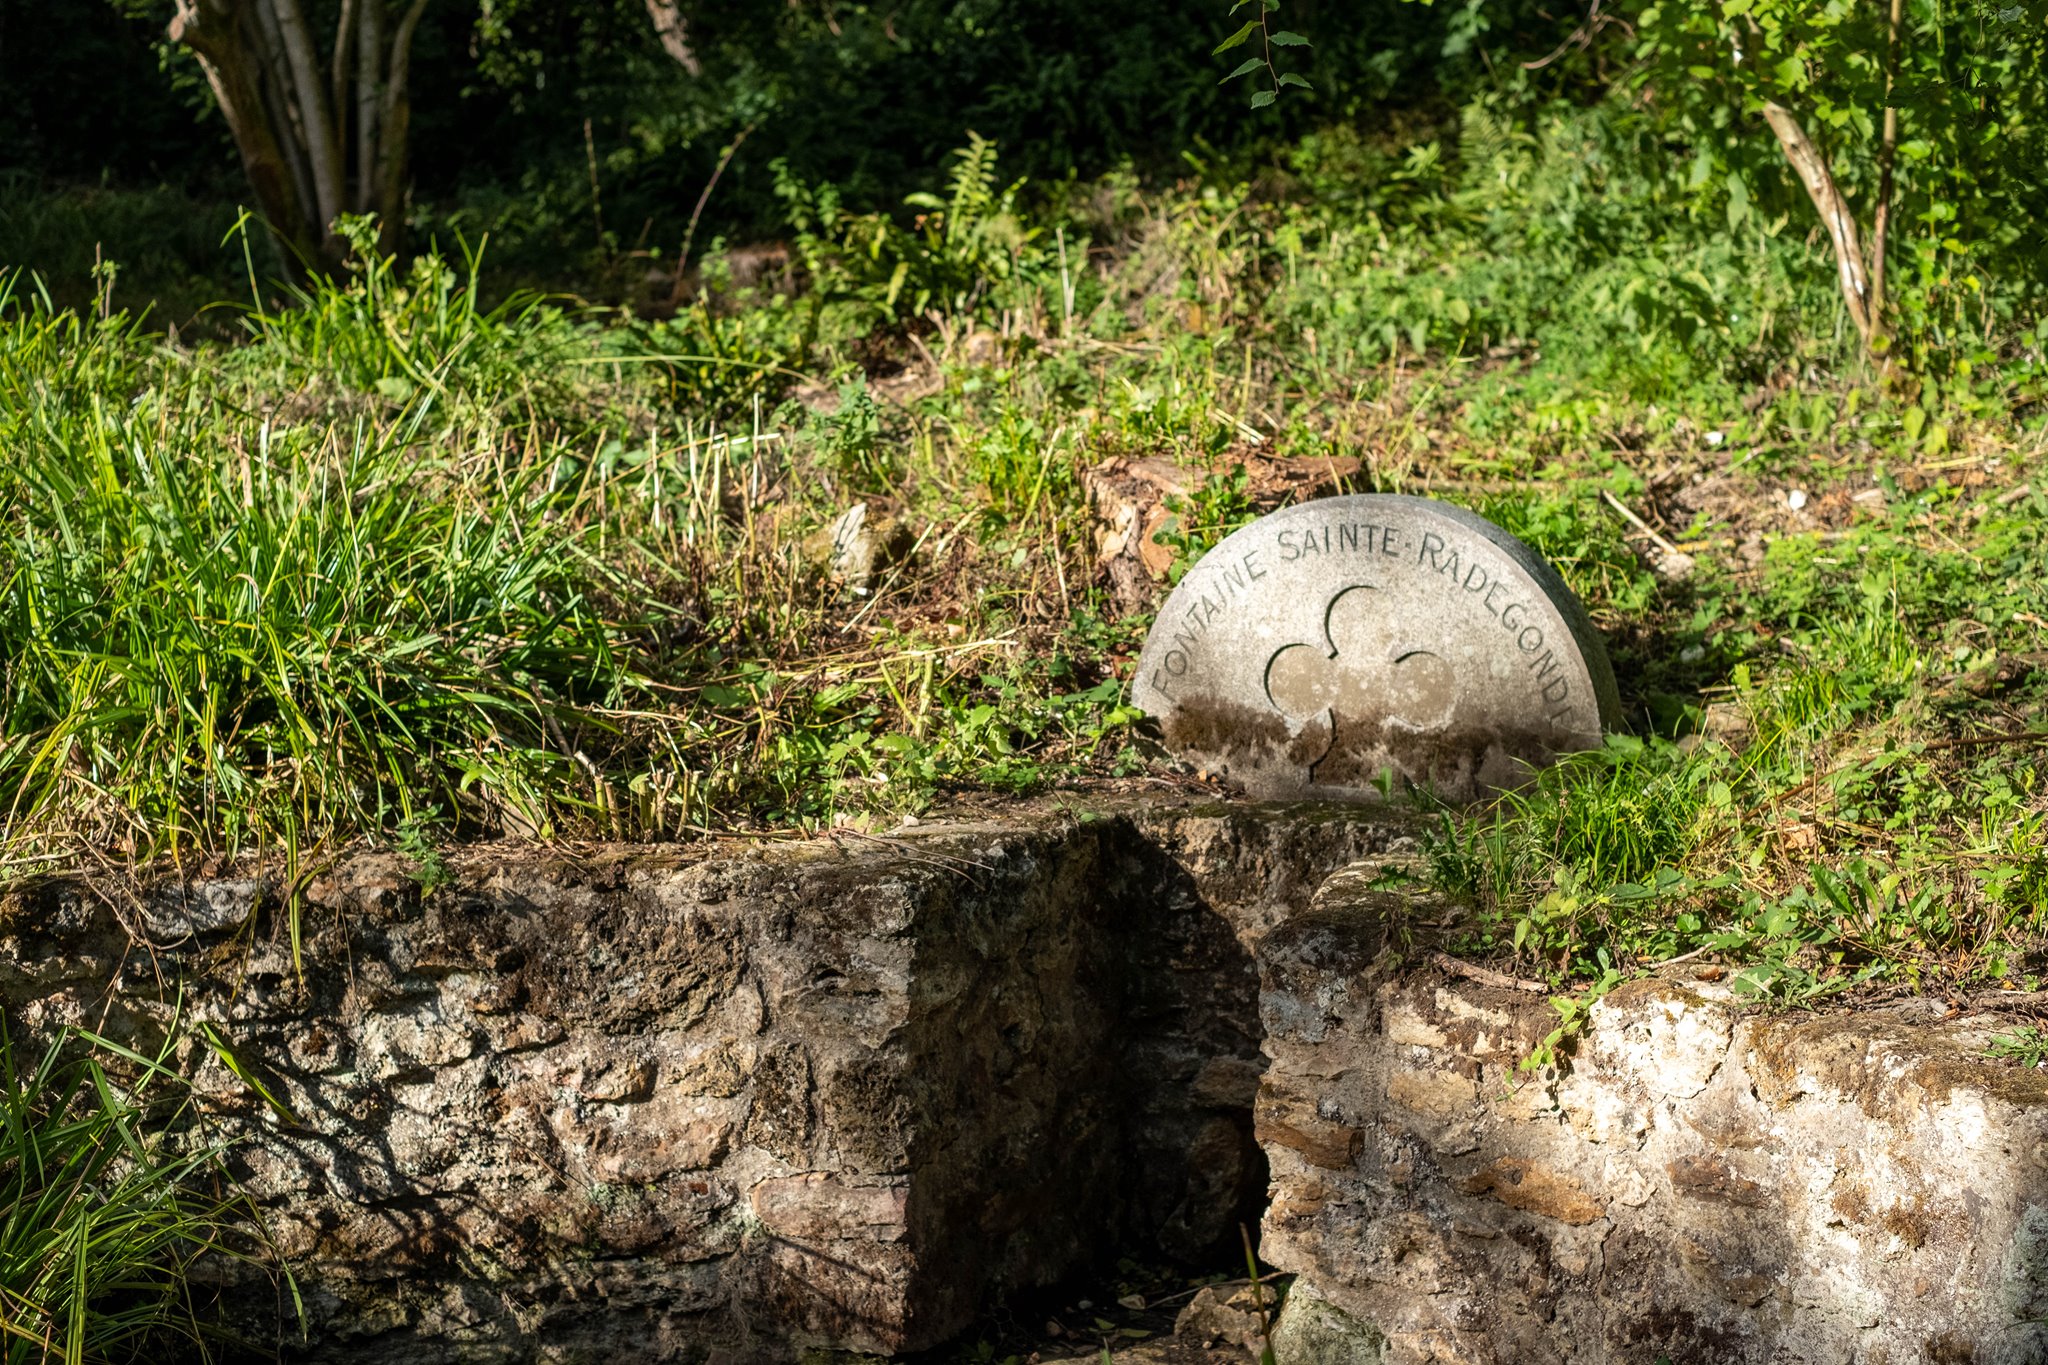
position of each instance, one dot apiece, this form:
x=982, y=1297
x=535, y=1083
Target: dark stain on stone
x=1242, y=738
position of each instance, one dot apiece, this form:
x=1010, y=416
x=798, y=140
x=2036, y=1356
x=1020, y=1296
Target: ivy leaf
x=1249, y=64
x=1285, y=38
x=1263, y=98
x=1234, y=39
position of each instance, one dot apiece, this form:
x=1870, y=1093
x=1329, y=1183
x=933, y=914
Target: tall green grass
x=220, y=621
x=106, y=1203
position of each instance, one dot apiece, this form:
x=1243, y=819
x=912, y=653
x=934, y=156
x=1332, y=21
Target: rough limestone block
x=1699, y=1182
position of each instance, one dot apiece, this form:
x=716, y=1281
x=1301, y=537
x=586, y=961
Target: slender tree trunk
x=1887, y=156
x=396, y=118
x=369, y=100
x=337, y=85
x=319, y=134
x=674, y=32
x=234, y=71
x=1813, y=172
x=322, y=151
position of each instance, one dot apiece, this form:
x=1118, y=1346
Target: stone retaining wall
x=1697, y=1185
x=647, y=1105
x=734, y=1103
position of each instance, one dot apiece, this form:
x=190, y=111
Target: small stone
x=859, y=545
x=197, y=909
x=1219, y=1315
x=1728, y=722
x=1673, y=566
x=1348, y=647
x=1314, y=1331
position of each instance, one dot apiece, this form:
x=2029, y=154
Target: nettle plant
x=1914, y=126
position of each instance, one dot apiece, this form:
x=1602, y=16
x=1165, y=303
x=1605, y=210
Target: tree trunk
x=1834, y=213
x=674, y=32
x=318, y=136
x=1887, y=156
x=396, y=116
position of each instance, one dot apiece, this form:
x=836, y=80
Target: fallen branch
x=1632, y=519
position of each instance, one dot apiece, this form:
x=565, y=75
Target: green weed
x=2027, y=1045
x=105, y=1187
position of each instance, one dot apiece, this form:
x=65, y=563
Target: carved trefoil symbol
x=1367, y=680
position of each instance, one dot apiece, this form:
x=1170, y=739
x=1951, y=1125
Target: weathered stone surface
x=739, y=1102
x=1342, y=642
x=1702, y=1183
x=1313, y=1331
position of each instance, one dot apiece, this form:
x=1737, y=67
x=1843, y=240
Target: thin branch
x=690, y=233
x=1485, y=976
x=1632, y=519
x=1812, y=168
x=397, y=114
x=1581, y=37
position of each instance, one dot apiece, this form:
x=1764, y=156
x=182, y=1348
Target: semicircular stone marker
x=1340, y=645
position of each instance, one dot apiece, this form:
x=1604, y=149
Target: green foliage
x=2027, y=1045
x=1652, y=851
x=849, y=438
x=1267, y=38
x=962, y=248
x=219, y=623
x=103, y=1183
x=1969, y=86
x=1218, y=506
